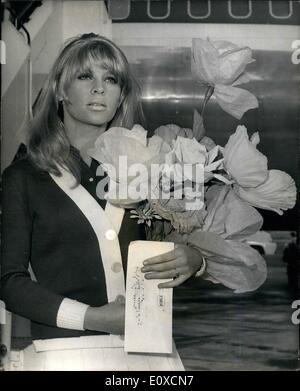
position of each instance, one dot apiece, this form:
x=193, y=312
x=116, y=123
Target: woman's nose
x=97, y=88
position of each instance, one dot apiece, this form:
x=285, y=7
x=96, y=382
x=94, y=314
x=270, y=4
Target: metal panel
x=206, y=11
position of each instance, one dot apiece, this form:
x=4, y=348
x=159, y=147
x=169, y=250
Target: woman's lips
x=95, y=106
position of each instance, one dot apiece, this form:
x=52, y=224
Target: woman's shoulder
x=21, y=166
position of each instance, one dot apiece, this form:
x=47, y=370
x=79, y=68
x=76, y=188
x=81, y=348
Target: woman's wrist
x=202, y=269
x=93, y=318
x=109, y=318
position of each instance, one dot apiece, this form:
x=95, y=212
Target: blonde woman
x=54, y=221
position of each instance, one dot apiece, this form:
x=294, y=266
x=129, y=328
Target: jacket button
x=116, y=267
x=110, y=234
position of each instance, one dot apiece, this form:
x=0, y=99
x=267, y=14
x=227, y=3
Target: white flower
x=242, y=161
x=186, y=160
x=133, y=144
x=277, y=193
x=228, y=215
x=211, y=162
x=127, y=156
x=220, y=64
x=252, y=181
x=189, y=151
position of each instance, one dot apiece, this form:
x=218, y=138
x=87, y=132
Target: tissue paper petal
x=189, y=151
x=205, y=61
x=243, y=162
x=277, y=193
x=235, y=101
x=232, y=63
x=219, y=62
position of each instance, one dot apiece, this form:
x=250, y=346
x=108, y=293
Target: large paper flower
x=185, y=161
x=252, y=181
x=277, y=193
x=127, y=156
x=132, y=144
x=220, y=64
x=189, y=151
x=228, y=215
x=243, y=162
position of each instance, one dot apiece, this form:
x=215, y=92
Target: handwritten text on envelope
x=148, y=317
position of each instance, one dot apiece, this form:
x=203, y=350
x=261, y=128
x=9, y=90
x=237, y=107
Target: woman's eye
x=85, y=76
x=111, y=80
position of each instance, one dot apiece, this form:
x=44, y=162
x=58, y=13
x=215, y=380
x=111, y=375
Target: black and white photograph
x=149, y=188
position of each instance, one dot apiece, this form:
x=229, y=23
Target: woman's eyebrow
x=83, y=70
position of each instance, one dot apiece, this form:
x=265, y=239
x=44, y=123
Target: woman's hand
x=179, y=264
x=109, y=318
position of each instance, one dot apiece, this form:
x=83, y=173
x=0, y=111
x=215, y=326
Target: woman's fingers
x=173, y=273
x=165, y=257
x=160, y=267
x=179, y=264
x=173, y=283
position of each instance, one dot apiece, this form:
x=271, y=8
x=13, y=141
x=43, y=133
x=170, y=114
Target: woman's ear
x=59, y=100
x=61, y=95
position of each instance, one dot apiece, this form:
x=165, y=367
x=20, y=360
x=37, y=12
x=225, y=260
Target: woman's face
x=92, y=98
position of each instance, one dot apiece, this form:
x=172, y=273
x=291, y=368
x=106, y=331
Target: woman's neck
x=83, y=137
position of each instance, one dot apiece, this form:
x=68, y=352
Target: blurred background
x=156, y=36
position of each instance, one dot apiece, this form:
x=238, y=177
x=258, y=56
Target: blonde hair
x=48, y=143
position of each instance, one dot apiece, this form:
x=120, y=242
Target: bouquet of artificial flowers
x=189, y=190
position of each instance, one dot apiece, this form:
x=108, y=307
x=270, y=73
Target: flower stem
x=208, y=94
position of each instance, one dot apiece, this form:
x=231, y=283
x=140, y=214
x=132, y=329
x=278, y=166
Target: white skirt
x=93, y=353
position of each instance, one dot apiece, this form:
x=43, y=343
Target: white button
x=120, y=298
x=116, y=267
x=110, y=234
x=91, y=179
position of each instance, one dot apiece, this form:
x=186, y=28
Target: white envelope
x=148, y=316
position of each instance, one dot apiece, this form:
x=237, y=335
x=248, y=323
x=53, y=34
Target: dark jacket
x=43, y=226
